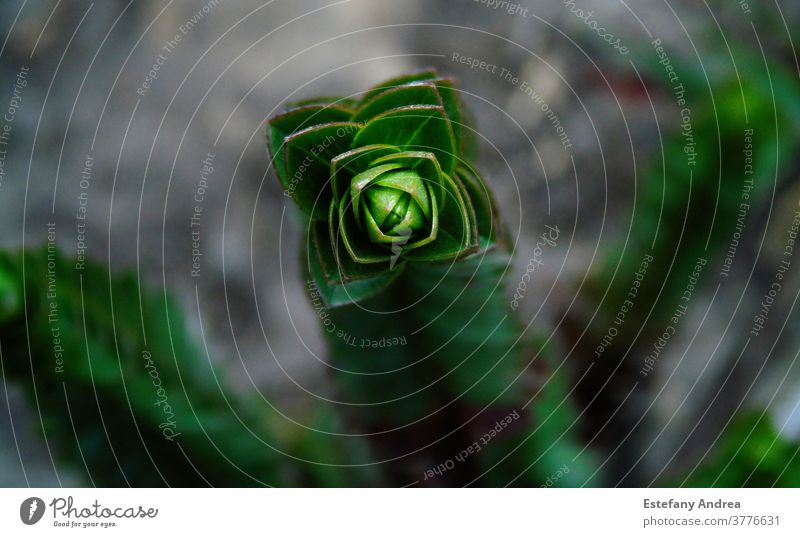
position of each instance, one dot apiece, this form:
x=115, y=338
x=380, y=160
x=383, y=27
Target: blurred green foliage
x=145, y=411
x=750, y=453
x=684, y=211
x=127, y=410
x=465, y=365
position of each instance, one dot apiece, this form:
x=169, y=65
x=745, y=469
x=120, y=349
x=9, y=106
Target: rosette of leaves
x=400, y=222
x=383, y=182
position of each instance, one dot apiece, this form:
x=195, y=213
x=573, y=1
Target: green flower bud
x=396, y=204
x=383, y=181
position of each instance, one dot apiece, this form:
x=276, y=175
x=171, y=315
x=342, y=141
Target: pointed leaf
x=434, y=226
x=412, y=90
x=490, y=228
x=351, y=163
x=424, y=93
x=307, y=158
x=428, y=74
x=374, y=232
x=284, y=125
x=411, y=183
x=355, y=240
x=335, y=263
x=355, y=291
x=452, y=105
x=418, y=127
x=363, y=180
x=338, y=278
x=456, y=236
x=424, y=163
x=400, y=241
x=340, y=102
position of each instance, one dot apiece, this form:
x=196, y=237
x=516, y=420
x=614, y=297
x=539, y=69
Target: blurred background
x=661, y=138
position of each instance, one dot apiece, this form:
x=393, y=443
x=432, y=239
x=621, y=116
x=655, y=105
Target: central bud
x=397, y=203
x=392, y=205
x=395, y=211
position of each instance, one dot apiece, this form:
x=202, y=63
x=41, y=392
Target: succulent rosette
x=383, y=182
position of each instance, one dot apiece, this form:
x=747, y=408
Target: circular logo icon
x=31, y=511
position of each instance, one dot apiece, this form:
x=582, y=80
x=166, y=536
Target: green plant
x=737, y=127
x=383, y=183
x=407, y=262
x=405, y=245
x=123, y=397
x=751, y=452
x=700, y=202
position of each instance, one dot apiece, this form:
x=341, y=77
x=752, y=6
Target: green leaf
x=108, y=408
x=418, y=127
x=487, y=217
x=363, y=180
x=413, y=184
x=351, y=163
x=424, y=163
x=374, y=232
x=397, y=97
x=339, y=280
x=355, y=240
x=307, y=158
x=428, y=74
x=405, y=181
x=347, y=103
x=456, y=236
x=108, y=412
x=284, y=125
x=420, y=88
x=336, y=263
x=452, y=105
x=753, y=450
x=400, y=243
